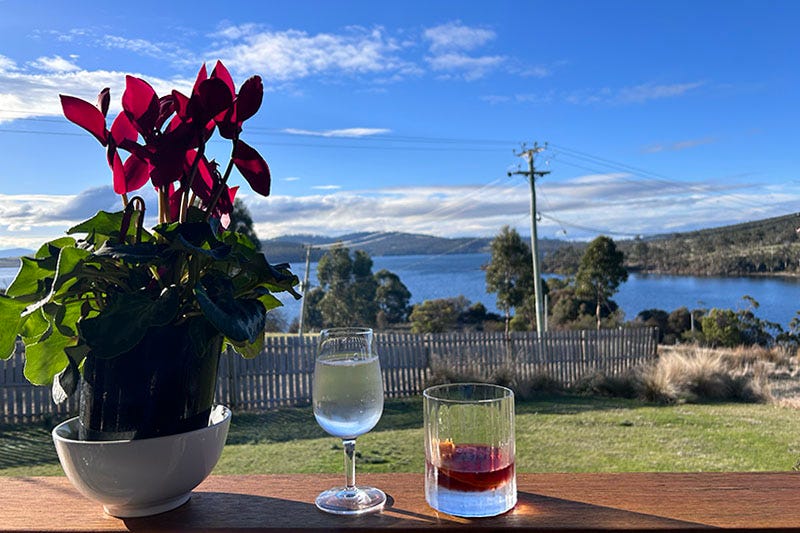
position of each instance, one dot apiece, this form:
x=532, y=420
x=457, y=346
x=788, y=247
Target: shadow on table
x=230, y=511
x=542, y=511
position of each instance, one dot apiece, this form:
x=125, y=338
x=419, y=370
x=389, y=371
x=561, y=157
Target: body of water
x=444, y=276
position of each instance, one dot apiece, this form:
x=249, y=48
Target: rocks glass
x=469, y=449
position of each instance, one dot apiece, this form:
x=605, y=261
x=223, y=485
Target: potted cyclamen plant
x=134, y=319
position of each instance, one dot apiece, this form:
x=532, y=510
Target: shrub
x=538, y=384
x=599, y=384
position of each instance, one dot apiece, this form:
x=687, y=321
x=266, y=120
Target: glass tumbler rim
x=430, y=393
x=347, y=330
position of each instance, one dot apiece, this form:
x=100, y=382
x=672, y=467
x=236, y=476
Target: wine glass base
x=361, y=500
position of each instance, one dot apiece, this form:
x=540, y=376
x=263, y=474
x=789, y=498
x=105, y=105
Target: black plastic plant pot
x=163, y=386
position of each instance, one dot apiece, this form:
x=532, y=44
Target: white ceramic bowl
x=144, y=476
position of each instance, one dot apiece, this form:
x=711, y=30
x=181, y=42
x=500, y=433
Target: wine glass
x=348, y=402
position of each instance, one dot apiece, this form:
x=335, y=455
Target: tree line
x=764, y=247
x=581, y=297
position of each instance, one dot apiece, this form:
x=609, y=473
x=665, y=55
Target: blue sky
x=404, y=116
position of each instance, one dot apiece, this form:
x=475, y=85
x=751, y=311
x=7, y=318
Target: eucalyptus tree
x=600, y=273
x=509, y=272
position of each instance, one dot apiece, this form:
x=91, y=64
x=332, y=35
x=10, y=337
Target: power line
x=641, y=173
x=563, y=223
x=566, y=155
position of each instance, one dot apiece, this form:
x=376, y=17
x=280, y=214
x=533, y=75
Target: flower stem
x=220, y=187
x=192, y=174
x=163, y=205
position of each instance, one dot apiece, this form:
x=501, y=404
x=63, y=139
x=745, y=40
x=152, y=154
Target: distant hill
x=292, y=248
x=15, y=252
x=763, y=247
x=9, y=258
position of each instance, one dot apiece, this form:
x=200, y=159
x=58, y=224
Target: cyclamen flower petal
x=166, y=164
x=136, y=173
x=181, y=105
x=166, y=107
x=220, y=72
x=103, y=101
x=252, y=167
x=228, y=128
x=86, y=116
x=213, y=97
x=202, y=75
x=118, y=172
x=248, y=101
x=122, y=129
x=140, y=103
x=227, y=209
x=204, y=179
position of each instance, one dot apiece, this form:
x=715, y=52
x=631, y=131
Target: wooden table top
x=593, y=502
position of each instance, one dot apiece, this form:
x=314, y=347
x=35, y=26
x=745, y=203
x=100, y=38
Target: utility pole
x=532, y=174
x=304, y=290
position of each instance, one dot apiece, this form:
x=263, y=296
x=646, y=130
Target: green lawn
x=559, y=434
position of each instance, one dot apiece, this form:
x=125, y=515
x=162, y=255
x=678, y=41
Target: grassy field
x=556, y=434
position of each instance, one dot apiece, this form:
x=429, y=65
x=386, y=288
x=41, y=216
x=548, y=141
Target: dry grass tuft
x=703, y=375
x=681, y=374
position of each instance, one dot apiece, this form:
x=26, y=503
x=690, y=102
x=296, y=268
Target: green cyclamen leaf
x=270, y=301
x=238, y=319
x=10, y=311
x=195, y=237
x=132, y=253
x=46, y=358
x=248, y=350
x=103, y=223
x=33, y=279
x=123, y=323
x=69, y=268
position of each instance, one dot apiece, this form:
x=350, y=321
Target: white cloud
x=326, y=187
x=449, y=44
x=344, y=132
x=678, y=145
x=55, y=64
x=636, y=94
x=471, y=68
x=30, y=93
x=139, y=46
x=652, y=91
x=28, y=220
x=455, y=36
x=293, y=54
x=620, y=205
x=7, y=64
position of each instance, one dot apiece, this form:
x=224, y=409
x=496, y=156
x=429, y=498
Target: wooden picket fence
x=282, y=375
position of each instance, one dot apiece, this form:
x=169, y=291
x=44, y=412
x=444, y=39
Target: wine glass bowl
x=348, y=401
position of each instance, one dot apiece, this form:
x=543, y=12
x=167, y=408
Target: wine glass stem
x=350, y=463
